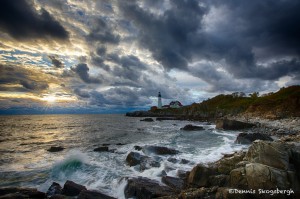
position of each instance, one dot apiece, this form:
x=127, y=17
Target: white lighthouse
x=159, y=105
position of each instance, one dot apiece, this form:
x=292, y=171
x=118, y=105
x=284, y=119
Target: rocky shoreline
x=270, y=168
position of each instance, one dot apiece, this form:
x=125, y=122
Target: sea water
x=25, y=161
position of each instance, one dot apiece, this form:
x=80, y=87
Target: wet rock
x=120, y=144
x=173, y=160
x=144, y=188
x=55, y=149
x=93, y=195
x=15, y=192
x=72, y=189
x=248, y=138
x=147, y=120
x=105, y=144
x=199, y=176
x=174, y=183
x=101, y=149
x=274, y=154
x=147, y=163
x=138, y=148
x=133, y=158
x=232, y=124
x=184, y=161
x=191, y=127
x=162, y=173
x=159, y=150
x=54, y=189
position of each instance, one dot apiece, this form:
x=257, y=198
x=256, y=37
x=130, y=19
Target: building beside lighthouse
x=173, y=104
x=159, y=104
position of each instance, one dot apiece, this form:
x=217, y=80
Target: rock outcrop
x=147, y=120
x=159, y=150
x=226, y=124
x=191, y=127
x=248, y=138
x=55, y=149
x=72, y=189
x=144, y=188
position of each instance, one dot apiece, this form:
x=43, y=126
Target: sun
x=49, y=98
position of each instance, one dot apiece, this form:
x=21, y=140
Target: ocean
x=25, y=161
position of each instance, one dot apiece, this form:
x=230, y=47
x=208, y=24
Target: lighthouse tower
x=159, y=105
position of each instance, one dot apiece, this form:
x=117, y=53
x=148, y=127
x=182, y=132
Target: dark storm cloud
x=18, y=76
x=81, y=93
x=56, y=62
x=170, y=36
x=254, y=39
x=83, y=72
x=19, y=19
x=102, y=32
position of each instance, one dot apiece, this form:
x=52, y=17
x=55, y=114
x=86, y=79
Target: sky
x=113, y=56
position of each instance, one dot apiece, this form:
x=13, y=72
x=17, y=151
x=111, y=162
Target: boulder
x=54, y=189
x=191, y=127
x=101, y=149
x=59, y=196
x=16, y=192
x=173, y=160
x=72, y=189
x=144, y=188
x=174, y=183
x=261, y=176
x=248, y=138
x=273, y=154
x=159, y=150
x=226, y=164
x=199, y=176
x=182, y=174
x=93, y=195
x=232, y=124
x=133, y=158
x=147, y=120
x=147, y=163
x=55, y=149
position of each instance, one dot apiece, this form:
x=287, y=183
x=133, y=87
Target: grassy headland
x=281, y=104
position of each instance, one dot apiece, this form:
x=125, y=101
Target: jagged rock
x=72, y=189
x=248, y=138
x=232, y=124
x=144, y=188
x=16, y=192
x=133, y=158
x=147, y=120
x=218, y=180
x=101, y=149
x=199, y=176
x=147, y=163
x=138, y=148
x=54, y=189
x=191, y=127
x=225, y=165
x=93, y=195
x=174, y=183
x=55, y=149
x=159, y=150
x=238, y=178
x=274, y=154
x=184, y=161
